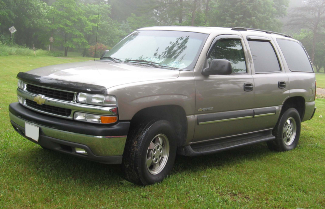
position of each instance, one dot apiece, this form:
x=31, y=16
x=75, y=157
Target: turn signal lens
x=108, y=119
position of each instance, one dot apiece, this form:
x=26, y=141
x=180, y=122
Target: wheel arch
x=297, y=102
x=173, y=113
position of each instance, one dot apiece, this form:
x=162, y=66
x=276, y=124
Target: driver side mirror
x=218, y=67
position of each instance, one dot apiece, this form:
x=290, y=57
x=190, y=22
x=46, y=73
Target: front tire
x=286, y=132
x=149, y=152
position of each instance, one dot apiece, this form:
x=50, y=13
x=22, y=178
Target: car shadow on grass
x=55, y=166
x=223, y=158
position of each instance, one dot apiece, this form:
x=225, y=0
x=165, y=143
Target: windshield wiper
x=112, y=58
x=154, y=64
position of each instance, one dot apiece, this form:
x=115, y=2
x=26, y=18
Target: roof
x=209, y=30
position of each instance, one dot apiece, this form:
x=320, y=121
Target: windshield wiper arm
x=112, y=58
x=154, y=64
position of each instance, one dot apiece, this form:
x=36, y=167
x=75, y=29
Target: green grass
x=249, y=177
x=320, y=78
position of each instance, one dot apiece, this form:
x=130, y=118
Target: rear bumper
x=102, y=143
x=313, y=113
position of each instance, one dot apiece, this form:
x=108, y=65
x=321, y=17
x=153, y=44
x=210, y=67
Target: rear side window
x=264, y=57
x=295, y=56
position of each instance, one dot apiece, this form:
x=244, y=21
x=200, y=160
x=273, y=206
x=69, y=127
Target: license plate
x=32, y=131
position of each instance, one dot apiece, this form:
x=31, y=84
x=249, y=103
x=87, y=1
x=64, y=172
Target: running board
x=214, y=146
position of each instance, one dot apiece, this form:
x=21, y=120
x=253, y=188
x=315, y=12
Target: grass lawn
x=320, y=78
x=249, y=177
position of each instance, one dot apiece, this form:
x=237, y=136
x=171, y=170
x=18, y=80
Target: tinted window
x=231, y=50
x=295, y=56
x=264, y=57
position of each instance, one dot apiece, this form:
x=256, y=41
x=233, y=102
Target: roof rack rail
x=265, y=31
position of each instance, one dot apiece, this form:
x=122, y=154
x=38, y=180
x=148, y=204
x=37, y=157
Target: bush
x=5, y=39
x=100, y=49
x=6, y=50
x=56, y=54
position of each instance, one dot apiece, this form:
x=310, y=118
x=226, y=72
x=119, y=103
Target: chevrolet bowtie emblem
x=39, y=99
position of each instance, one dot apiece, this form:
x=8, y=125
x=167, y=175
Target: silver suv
x=163, y=91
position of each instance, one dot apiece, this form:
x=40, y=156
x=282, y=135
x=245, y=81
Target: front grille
x=61, y=95
x=49, y=109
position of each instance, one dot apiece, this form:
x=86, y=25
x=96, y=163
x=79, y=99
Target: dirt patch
x=320, y=93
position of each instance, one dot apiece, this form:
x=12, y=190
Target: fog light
x=81, y=151
x=91, y=118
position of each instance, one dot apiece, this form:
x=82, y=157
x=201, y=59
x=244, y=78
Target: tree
x=105, y=30
x=172, y=12
x=262, y=14
x=310, y=16
x=28, y=17
x=69, y=23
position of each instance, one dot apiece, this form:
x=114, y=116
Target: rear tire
x=149, y=152
x=286, y=131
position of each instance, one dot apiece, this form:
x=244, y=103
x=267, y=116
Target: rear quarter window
x=295, y=56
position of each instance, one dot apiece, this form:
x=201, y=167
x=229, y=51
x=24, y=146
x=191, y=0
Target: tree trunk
x=313, y=47
x=65, y=48
x=206, y=11
x=66, y=51
x=194, y=11
x=180, y=17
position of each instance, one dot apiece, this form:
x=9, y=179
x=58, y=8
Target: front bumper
x=102, y=143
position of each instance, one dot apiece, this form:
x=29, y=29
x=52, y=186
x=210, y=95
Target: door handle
x=248, y=87
x=282, y=84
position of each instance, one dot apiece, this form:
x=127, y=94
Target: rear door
x=271, y=82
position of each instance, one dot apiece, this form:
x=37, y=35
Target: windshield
x=165, y=49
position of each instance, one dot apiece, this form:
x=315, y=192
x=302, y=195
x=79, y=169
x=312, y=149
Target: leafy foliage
x=262, y=14
x=29, y=18
x=311, y=17
x=97, y=49
x=69, y=24
x=77, y=24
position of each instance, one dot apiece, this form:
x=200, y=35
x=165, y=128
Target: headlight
x=91, y=118
x=21, y=84
x=96, y=99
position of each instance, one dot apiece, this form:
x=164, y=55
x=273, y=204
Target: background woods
x=76, y=25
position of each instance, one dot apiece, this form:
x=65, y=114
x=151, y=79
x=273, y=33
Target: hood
x=104, y=73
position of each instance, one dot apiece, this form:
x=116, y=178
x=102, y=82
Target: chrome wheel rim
x=289, y=131
x=157, y=154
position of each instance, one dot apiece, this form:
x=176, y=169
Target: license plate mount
x=32, y=131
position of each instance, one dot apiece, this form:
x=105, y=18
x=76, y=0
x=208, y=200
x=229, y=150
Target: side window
x=264, y=57
x=231, y=50
x=295, y=56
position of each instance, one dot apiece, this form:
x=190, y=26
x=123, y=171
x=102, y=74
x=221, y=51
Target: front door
x=224, y=103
